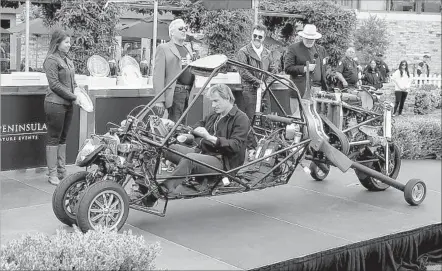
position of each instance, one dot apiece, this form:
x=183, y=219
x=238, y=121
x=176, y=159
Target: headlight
x=87, y=148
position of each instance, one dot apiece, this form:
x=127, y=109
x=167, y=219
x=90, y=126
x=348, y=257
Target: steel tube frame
x=379, y=176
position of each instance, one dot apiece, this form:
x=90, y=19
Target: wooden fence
x=426, y=80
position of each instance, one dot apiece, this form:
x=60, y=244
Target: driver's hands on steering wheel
x=201, y=131
x=159, y=108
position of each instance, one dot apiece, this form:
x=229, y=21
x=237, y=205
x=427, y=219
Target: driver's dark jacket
x=231, y=132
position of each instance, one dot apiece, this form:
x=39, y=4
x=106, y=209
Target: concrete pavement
x=243, y=231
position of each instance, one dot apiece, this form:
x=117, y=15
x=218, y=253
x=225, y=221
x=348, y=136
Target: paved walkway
x=243, y=231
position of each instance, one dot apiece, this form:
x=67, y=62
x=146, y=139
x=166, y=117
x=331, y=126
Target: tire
x=317, y=173
x=65, y=212
x=101, y=192
x=415, y=192
x=373, y=184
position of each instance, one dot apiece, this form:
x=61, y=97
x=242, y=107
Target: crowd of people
x=225, y=133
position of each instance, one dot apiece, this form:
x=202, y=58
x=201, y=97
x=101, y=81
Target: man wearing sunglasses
x=170, y=59
x=256, y=55
x=295, y=64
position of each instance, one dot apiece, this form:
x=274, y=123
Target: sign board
x=24, y=130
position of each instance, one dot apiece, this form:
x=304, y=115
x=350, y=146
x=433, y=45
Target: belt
x=186, y=87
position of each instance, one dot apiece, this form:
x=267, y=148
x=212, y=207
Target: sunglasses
x=257, y=37
x=181, y=28
x=403, y=64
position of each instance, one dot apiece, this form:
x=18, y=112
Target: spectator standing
x=347, y=70
x=295, y=64
x=171, y=57
x=382, y=67
x=402, y=82
x=372, y=76
x=255, y=55
x=423, y=68
x=58, y=104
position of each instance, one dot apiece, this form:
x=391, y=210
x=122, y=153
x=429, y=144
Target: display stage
x=335, y=224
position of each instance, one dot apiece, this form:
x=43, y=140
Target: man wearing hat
x=295, y=64
x=383, y=67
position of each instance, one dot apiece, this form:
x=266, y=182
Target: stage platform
x=284, y=228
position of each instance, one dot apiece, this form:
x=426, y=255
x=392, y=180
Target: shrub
x=102, y=249
x=419, y=137
x=426, y=101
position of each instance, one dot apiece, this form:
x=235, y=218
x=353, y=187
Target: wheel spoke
x=105, y=202
x=114, y=205
x=99, y=204
x=114, y=211
x=111, y=199
x=93, y=219
x=93, y=210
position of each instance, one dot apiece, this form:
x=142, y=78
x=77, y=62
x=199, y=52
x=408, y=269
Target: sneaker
x=54, y=181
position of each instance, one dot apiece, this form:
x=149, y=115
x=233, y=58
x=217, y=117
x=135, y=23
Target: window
x=431, y=6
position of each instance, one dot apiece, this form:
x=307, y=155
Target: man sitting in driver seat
x=223, y=141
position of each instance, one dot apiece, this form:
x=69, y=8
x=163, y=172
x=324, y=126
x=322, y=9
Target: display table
x=23, y=128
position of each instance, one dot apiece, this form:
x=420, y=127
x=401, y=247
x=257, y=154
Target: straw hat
x=83, y=99
x=309, y=32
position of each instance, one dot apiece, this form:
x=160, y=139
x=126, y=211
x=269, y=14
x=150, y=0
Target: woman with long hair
x=402, y=83
x=372, y=76
x=58, y=104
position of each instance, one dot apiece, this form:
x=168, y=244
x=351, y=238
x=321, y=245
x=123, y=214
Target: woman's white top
x=401, y=83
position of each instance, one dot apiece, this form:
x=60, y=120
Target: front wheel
x=105, y=203
x=66, y=197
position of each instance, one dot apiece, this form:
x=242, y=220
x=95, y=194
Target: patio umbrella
x=36, y=27
x=144, y=29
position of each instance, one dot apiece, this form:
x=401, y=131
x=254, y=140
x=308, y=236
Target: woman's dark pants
x=58, y=122
x=401, y=96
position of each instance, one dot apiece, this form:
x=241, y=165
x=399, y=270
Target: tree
x=335, y=23
x=371, y=38
x=225, y=31
x=93, y=27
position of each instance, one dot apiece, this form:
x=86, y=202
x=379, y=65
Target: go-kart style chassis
x=134, y=151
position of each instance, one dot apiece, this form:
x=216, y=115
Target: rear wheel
x=394, y=165
x=415, y=192
x=105, y=203
x=66, y=197
x=317, y=173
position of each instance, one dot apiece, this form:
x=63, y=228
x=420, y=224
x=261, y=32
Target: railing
x=419, y=80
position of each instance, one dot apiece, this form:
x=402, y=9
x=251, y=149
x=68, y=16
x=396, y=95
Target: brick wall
x=412, y=36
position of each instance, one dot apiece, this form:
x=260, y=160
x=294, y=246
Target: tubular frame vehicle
x=132, y=154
